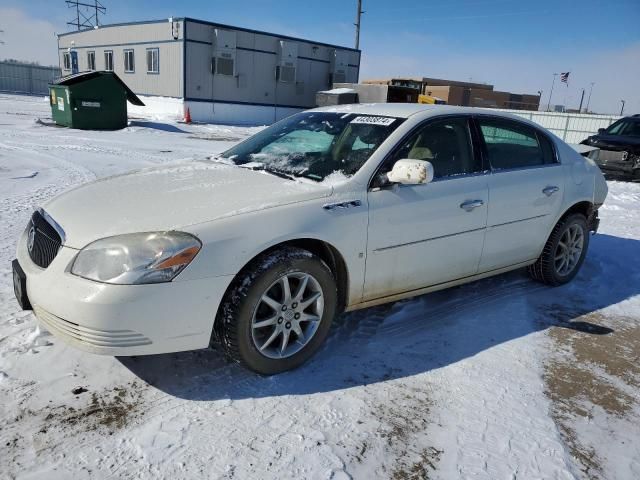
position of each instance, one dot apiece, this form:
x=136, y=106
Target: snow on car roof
x=405, y=110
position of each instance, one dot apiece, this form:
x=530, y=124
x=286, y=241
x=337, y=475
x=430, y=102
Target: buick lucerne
x=329, y=210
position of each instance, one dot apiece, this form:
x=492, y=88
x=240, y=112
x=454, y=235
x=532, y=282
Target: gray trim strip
x=427, y=240
x=234, y=102
x=516, y=221
x=455, y=234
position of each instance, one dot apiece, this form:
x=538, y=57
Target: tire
x=246, y=320
x=549, y=268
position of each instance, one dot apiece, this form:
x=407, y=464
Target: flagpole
x=551, y=93
x=589, y=99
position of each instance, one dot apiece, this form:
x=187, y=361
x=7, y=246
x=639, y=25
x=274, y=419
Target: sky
x=514, y=45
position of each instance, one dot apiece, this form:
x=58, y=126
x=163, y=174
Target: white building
x=221, y=73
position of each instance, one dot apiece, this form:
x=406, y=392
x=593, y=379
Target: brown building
x=466, y=94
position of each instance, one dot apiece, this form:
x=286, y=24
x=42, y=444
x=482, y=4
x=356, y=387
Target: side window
x=444, y=143
x=129, y=62
x=91, y=60
x=66, y=59
x=512, y=145
x=108, y=60
x=153, y=60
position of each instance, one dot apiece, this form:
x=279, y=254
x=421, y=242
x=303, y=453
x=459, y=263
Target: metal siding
x=199, y=32
x=26, y=78
x=149, y=32
x=255, y=66
x=255, y=69
x=199, y=77
x=137, y=38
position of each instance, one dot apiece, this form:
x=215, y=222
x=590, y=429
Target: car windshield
x=625, y=127
x=315, y=144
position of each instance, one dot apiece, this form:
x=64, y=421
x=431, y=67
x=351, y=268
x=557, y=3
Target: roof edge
x=213, y=24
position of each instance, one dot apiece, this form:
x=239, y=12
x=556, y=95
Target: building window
x=129, y=62
x=108, y=60
x=153, y=60
x=91, y=60
x=66, y=60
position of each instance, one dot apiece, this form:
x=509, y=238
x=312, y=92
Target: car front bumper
x=618, y=162
x=121, y=320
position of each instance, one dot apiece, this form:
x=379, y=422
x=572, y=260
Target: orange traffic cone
x=187, y=117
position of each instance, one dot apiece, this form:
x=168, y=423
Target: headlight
x=136, y=258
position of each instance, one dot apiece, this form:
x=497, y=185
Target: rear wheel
x=564, y=251
x=278, y=311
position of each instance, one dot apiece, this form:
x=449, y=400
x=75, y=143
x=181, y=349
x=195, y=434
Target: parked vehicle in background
x=619, y=147
x=329, y=210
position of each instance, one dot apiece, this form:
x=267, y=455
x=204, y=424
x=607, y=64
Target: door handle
x=469, y=205
x=548, y=191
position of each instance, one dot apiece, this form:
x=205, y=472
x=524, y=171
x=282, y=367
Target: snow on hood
x=169, y=198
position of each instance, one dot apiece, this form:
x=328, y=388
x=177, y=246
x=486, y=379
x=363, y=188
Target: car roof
x=405, y=110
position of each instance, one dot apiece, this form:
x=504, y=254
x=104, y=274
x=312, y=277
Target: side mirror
x=601, y=131
x=411, y=172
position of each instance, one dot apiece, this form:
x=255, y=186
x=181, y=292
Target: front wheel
x=564, y=251
x=278, y=311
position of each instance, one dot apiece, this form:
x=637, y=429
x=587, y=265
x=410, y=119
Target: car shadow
x=419, y=335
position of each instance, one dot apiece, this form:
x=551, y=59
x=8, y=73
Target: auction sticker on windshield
x=386, y=121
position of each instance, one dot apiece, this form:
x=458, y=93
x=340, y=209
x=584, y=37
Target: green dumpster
x=91, y=101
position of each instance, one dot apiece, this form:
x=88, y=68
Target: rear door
x=526, y=187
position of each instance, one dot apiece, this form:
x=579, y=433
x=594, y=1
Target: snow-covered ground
x=502, y=378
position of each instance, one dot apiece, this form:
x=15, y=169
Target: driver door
x=423, y=235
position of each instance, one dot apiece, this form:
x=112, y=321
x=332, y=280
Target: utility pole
x=357, y=24
x=589, y=97
x=551, y=93
x=581, y=100
x=622, y=109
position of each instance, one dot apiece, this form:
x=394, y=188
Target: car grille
x=89, y=336
x=43, y=241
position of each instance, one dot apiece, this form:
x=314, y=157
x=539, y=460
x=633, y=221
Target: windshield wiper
x=257, y=166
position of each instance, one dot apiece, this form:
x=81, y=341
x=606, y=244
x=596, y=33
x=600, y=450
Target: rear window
x=512, y=145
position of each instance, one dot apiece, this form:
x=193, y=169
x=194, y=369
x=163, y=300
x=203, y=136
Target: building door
x=74, y=62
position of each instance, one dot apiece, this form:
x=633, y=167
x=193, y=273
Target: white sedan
x=329, y=210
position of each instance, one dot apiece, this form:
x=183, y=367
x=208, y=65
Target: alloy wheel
x=569, y=250
x=287, y=315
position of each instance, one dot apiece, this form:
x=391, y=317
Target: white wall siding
x=234, y=114
x=137, y=37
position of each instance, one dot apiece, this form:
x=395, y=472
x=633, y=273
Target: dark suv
x=619, y=146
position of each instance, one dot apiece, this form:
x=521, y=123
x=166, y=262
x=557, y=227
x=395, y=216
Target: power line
x=87, y=14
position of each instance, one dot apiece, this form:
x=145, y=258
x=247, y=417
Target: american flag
x=564, y=77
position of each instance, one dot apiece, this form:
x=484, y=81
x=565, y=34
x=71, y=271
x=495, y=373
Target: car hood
x=171, y=198
x=615, y=142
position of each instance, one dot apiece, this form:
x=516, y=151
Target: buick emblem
x=31, y=238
